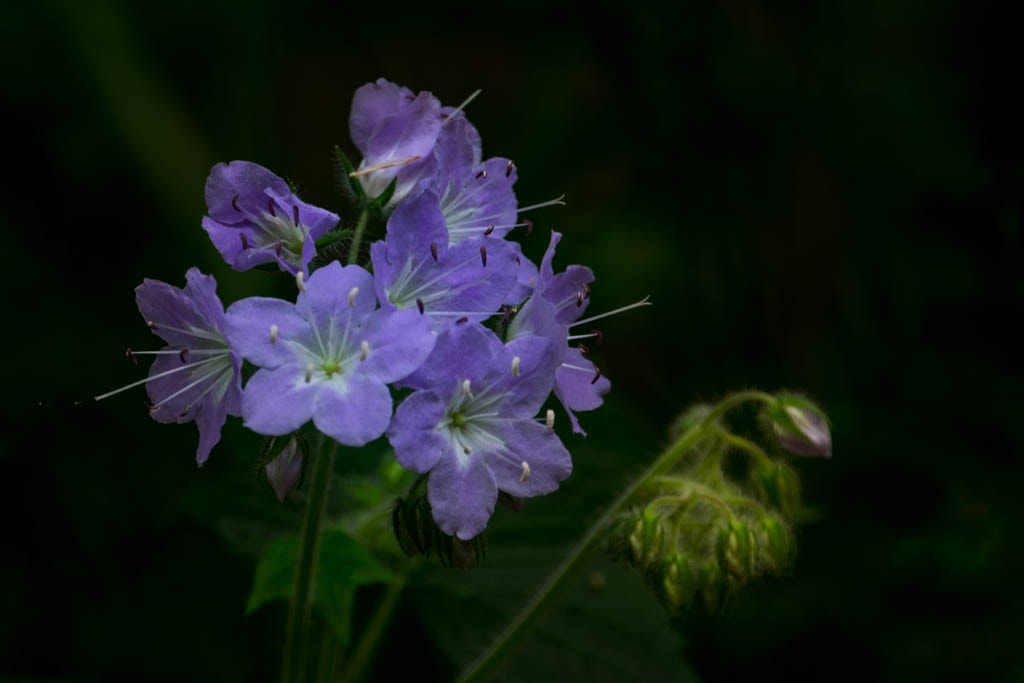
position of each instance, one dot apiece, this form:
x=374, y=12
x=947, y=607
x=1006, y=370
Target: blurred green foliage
x=819, y=196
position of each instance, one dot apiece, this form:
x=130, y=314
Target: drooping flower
x=415, y=268
x=255, y=218
x=557, y=301
x=395, y=130
x=197, y=377
x=471, y=425
x=328, y=357
x=284, y=470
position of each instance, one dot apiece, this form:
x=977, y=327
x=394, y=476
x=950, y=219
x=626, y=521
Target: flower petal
x=413, y=434
x=461, y=352
x=353, y=409
x=462, y=494
x=246, y=181
x=248, y=329
x=325, y=301
x=278, y=401
x=399, y=342
x=210, y=420
x=371, y=104
x=547, y=460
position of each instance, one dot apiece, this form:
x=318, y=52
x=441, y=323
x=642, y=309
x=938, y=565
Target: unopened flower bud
x=736, y=551
x=714, y=586
x=646, y=539
x=775, y=545
x=780, y=485
x=677, y=582
x=801, y=427
x=284, y=470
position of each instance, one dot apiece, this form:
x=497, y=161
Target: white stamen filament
x=273, y=334
x=643, y=302
x=549, y=419
x=352, y=296
x=557, y=201
x=576, y=367
x=526, y=471
x=384, y=164
x=309, y=372
x=364, y=350
x=158, y=376
x=465, y=388
x=462, y=106
x=515, y=366
x=573, y=337
x=300, y=281
x=188, y=352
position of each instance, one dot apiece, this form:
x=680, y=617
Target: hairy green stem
x=309, y=549
x=488, y=662
x=363, y=652
x=357, y=237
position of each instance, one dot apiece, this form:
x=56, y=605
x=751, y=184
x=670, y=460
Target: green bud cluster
x=722, y=516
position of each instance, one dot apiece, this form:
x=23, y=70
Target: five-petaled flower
x=328, y=357
x=471, y=425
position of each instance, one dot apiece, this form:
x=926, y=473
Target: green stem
x=309, y=550
x=357, y=236
x=357, y=665
x=487, y=663
x=743, y=444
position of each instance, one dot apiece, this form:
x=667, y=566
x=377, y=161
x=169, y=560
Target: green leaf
x=332, y=237
x=350, y=187
x=378, y=203
x=343, y=566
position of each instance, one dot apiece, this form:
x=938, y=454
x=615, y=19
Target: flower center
x=331, y=366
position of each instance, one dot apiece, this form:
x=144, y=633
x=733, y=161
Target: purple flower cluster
x=452, y=310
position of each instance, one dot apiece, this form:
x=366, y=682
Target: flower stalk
x=301, y=602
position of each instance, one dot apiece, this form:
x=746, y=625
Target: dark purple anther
x=483, y=255
x=529, y=226
x=183, y=355
x=270, y=207
x=597, y=375
x=245, y=240
x=507, y=312
x=188, y=409
x=278, y=247
x=131, y=356
x=583, y=349
x=433, y=250
x=488, y=231
x=419, y=305
x=482, y=175
x=295, y=216
x=462, y=321
x=234, y=203
x=600, y=336
x=586, y=290
x=579, y=299
x=508, y=169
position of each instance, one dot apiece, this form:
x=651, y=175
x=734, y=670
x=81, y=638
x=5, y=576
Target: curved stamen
x=643, y=302
x=157, y=376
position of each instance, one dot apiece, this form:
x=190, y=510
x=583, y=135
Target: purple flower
x=415, y=268
x=476, y=197
x=471, y=425
x=395, y=130
x=254, y=218
x=558, y=301
x=328, y=357
x=196, y=377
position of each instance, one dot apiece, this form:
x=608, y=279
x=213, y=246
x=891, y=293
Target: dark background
x=818, y=196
